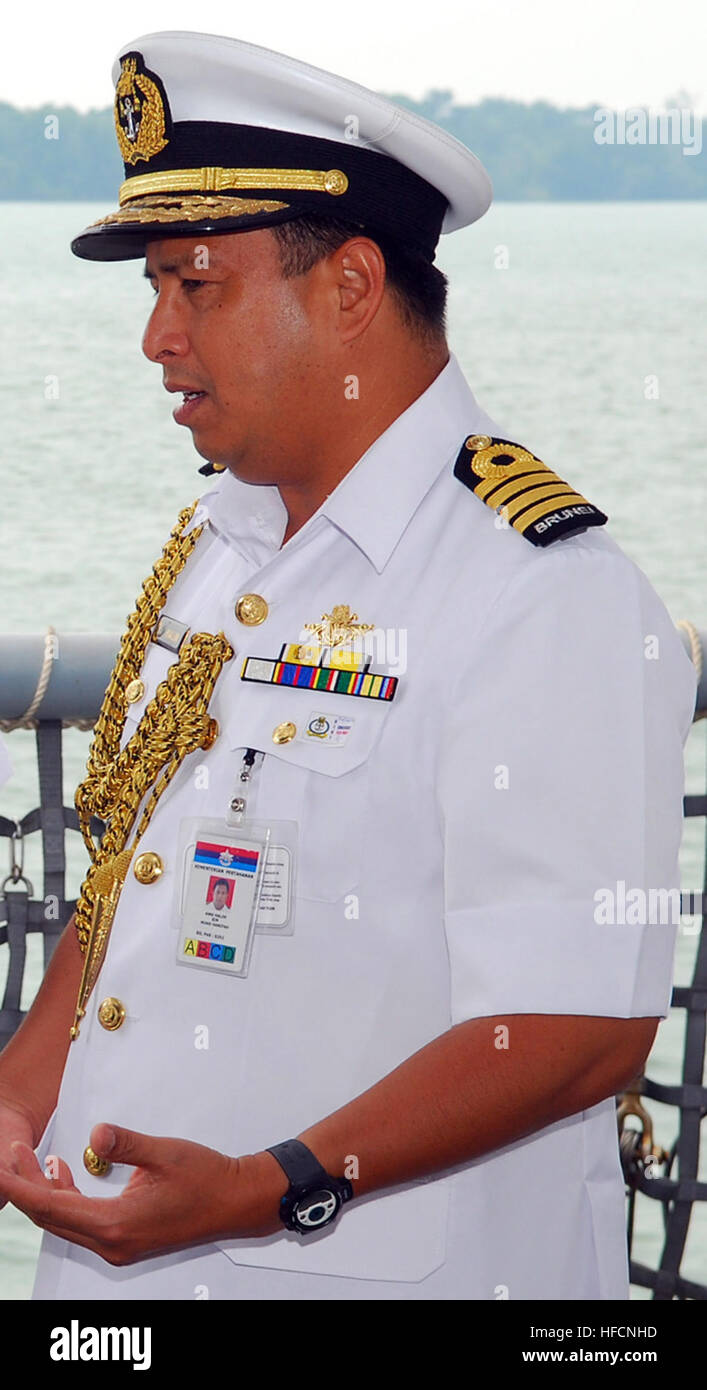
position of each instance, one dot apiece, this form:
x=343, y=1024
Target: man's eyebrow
x=173, y=267
x=166, y=270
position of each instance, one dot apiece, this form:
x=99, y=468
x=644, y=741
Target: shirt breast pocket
x=323, y=784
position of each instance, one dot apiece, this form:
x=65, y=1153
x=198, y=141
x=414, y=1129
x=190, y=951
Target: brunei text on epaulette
x=523, y=490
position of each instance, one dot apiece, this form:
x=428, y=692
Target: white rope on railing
x=27, y=720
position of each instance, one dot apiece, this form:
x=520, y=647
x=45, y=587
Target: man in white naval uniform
x=448, y=1019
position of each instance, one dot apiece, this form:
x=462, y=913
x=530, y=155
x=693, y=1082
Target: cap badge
x=141, y=111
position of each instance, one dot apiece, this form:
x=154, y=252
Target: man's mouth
x=191, y=402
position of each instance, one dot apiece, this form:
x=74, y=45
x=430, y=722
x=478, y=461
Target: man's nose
x=164, y=335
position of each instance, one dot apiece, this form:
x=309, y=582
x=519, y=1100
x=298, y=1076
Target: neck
x=381, y=397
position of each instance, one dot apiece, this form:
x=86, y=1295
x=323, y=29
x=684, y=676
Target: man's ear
x=359, y=266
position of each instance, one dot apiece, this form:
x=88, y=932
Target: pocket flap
x=398, y=1235
x=332, y=733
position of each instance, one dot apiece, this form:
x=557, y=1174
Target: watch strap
x=299, y=1163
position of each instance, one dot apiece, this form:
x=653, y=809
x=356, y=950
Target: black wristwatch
x=314, y=1198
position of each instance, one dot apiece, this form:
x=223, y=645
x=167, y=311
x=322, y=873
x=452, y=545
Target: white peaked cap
x=204, y=122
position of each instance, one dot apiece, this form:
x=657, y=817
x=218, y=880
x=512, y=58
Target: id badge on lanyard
x=237, y=881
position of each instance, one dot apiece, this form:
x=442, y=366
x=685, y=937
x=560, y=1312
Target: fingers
x=128, y=1146
x=24, y=1161
x=51, y=1206
x=59, y=1173
x=52, y=1201
x=31, y=1193
x=26, y=1165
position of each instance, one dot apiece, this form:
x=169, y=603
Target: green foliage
x=538, y=151
x=82, y=164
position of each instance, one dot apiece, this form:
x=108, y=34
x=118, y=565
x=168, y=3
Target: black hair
x=220, y=882
x=419, y=288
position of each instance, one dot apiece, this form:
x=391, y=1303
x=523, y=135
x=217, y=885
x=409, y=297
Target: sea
x=582, y=329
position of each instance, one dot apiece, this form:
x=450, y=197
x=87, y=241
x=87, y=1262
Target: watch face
x=316, y=1208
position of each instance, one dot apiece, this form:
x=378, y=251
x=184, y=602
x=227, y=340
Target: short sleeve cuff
x=553, y=958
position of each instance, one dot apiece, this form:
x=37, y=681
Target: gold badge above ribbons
x=338, y=627
x=141, y=111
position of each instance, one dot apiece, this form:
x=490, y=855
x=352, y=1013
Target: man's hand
x=456, y=1099
x=15, y=1127
x=180, y=1195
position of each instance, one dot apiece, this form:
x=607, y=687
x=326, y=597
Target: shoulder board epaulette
x=523, y=490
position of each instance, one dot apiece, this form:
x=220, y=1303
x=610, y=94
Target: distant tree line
x=532, y=151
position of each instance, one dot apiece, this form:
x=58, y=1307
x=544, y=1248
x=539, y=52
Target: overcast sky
x=571, y=52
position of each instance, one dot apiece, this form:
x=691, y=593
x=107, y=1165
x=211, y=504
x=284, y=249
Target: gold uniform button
x=284, y=733
x=335, y=181
x=148, y=867
x=95, y=1165
x=478, y=441
x=134, y=691
x=111, y=1014
x=251, y=609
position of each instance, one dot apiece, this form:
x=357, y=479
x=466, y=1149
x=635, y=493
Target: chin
x=244, y=469
x=258, y=476
x=256, y=473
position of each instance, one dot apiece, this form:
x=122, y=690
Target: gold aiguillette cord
x=108, y=880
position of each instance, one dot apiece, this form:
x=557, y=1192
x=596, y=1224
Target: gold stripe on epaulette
x=534, y=495
x=504, y=492
x=542, y=509
x=485, y=488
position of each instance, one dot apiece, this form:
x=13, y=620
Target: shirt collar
x=377, y=498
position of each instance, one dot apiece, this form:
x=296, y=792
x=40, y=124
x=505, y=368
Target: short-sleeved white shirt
x=451, y=848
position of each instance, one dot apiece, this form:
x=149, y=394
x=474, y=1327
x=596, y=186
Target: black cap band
x=370, y=189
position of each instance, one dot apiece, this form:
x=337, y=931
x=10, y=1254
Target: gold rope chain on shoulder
x=175, y=722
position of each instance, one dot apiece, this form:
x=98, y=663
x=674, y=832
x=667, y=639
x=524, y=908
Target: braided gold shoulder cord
x=175, y=722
